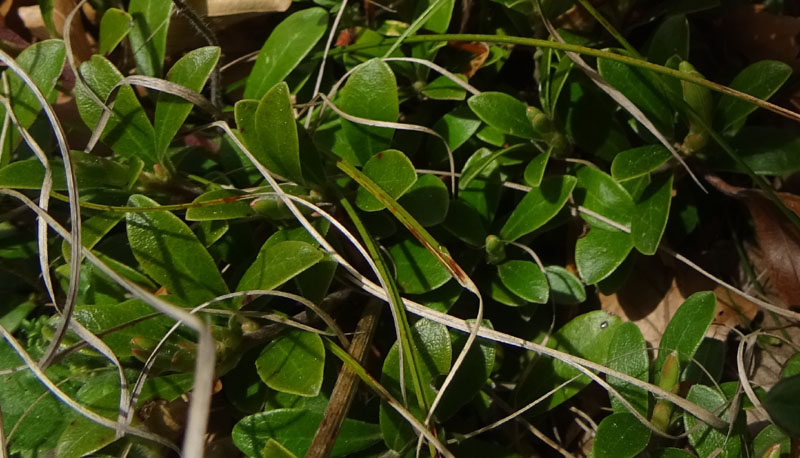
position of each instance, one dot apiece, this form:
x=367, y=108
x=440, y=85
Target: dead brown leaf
x=480, y=52
x=778, y=238
x=80, y=41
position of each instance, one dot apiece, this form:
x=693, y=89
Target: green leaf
x=277, y=263
x=565, y=288
x=599, y=192
x=503, y=112
x=620, y=435
x=627, y=353
x=642, y=89
x=277, y=145
x=534, y=171
x=100, y=318
x=128, y=132
x=443, y=88
x=294, y=430
x=686, y=329
x=604, y=136
x=285, y=48
x=600, y=252
x=526, y=280
x=768, y=436
x=293, y=363
x=418, y=270
x=766, y=150
x=709, y=360
x=93, y=229
x=636, y=162
x=761, y=79
x=371, y=93
x=190, y=71
x=471, y=376
x=171, y=254
x=670, y=38
x=114, y=26
x=232, y=209
x=433, y=344
x=792, y=366
x=587, y=336
x=90, y=172
x=428, y=200
x=465, y=223
x=650, y=215
x=705, y=439
x=673, y=453
x=783, y=402
x=538, y=206
x=149, y=34
x=456, y=127
x=274, y=449
x=392, y=171
x=483, y=158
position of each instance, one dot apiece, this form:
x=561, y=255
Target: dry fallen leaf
x=80, y=43
x=778, y=238
x=479, y=50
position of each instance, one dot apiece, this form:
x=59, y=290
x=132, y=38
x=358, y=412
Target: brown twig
x=346, y=384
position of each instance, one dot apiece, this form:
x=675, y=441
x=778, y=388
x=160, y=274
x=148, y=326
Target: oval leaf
x=761, y=79
x=538, y=206
x=370, y=93
x=636, y=162
x=294, y=430
x=565, y=288
x=650, y=215
x=705, y=439
x=620, y=435
x=171, y=254
x=285, y=48
x=598, y=192
x=277, y=145
x=293, y=363
x=600, y=252
x=277, y=263
x=190, y=71
x=525, y=279
x=149, y=34
x=428, y=200
x=627, y=353
x=114, y=26
x=783, y=402
x=686, y=329
x=392, y=171
x=418, y=270
x=503, y=112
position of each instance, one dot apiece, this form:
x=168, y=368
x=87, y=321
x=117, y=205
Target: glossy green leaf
x=792, y=366
x=392, y=171
x=503, y=112
x=588, y=336
x=471, y=376
x=565, y=288
x=783, y=402
x=274, y=449
x=171, y=254
x=418, y=270
x=650, y=215
x=768, y=436
x=93, y=229
x=538, y=206
x=525, y=279
x=149, y=34
x=435, y=349
x=627, y=353
x=465, y=223
x=294, y=430
x=598, y=192
x=285, y=48
x=600, y=252
x=228, y=210
x=766, y=150
x=492, y=136
x=128, y=132
x=761, y=79
x=100, y=318
x=278, y=262
x=705, y=439
x=483, y=159
x=709, y=360
x=670, y=38
x=633, y=163
x=456, y=127
x=276, y=141
x=642, y=89
x=673, y=453
x=534, y=171
x=42, y=62
x=620, y=435
x=114, y=26
x=293, y=363
x=604, y=136
x=443, y=88
x=371, y=93
x=190, y=71
x=90, y=172
x=428, y=200
x=686, y=329
x=484, y=191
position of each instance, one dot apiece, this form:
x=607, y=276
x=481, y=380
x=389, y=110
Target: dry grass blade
x=321, y=72
x=446, y=73
x=204, y=367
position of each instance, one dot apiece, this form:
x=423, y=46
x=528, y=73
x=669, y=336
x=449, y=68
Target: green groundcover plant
x=383, y=238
